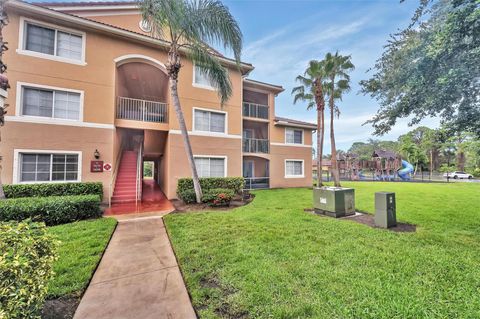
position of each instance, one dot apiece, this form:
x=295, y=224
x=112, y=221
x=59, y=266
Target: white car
x=457, y=175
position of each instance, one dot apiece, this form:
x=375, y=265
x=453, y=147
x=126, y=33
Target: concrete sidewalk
x=138, y=277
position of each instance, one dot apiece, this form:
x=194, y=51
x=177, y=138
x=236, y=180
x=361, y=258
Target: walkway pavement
x=138, y=277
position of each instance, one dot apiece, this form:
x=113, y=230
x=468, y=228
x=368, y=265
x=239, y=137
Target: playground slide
x=405, y=171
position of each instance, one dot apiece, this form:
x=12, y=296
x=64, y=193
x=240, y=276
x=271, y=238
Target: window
x=54, y=42
x=46, y=167
x=50, y=103
x=293, y=168
x=293, y=136
x=208, y=121
x=210, y=166
x=200, y=78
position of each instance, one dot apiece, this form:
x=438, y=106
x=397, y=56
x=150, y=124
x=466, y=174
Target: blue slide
x=406, y=170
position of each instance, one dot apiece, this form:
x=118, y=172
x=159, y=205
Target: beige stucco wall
x=29, y=136
x=97, y=80
x=277, y=166
x=178, y=166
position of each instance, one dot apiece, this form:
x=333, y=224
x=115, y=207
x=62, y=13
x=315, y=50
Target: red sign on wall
x=96, y=166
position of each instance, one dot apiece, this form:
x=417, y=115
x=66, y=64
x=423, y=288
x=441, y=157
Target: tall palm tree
x=337, y=68
x=311, y=90
x=188, y=25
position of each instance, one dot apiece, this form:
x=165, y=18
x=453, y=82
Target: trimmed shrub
x=236, y=184
x=53, y=189
x=52, y=210
x=218, y=196
x=27, y=253
x=188, y=196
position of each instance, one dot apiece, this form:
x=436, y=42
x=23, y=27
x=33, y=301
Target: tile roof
x=84, y=3
x=292, y=121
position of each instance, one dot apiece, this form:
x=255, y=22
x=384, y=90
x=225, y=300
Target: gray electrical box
x=334, y=201
x=385, y=210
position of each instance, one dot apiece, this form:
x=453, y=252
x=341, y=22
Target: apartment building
x=89, y=101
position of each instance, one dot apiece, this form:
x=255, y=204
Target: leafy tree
x=431, y=68
x=188, y=26
x=412, y=152
x=311, y=90
x=337, y=68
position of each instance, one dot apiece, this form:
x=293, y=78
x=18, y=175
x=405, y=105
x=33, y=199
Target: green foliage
x=53, y=189
x=27, y=253
x=431, y=69
x=476, y=172
x=194, y=25
x=81, y=246
x=218, y=196
x=148, y=169
x=187, y=195
x=271, y=259
x=444, y=168
x=185, y=185
x=52, y=210
x=365, y=150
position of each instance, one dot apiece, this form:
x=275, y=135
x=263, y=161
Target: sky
x=281, y=36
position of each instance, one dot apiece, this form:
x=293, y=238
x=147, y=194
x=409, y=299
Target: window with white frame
x=293, y=168
x=201, y=78
x=51, y=41
x=209, y=121
x=293, y=136
x=50, y=103
x=210, y=166
x=45, y=167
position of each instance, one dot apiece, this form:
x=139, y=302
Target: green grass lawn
x=81, y=246
x=270, y=259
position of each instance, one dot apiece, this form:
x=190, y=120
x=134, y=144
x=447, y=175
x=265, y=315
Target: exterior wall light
x=96, y=154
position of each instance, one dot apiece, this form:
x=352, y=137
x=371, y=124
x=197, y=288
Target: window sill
x=50, y=57
x=294, y=176
x=49, y=182
x=206, y=87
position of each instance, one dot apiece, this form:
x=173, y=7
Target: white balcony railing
x=141, y=110
x=255, y=110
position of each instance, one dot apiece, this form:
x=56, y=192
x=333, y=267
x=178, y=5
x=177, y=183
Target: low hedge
x=53, y=189
x=27, y=253
x=185, y=185
x=218, y=196
x=52, y=210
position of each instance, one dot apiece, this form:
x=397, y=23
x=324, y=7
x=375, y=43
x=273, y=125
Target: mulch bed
x=60, y=308
x=369, y=220
x=181, y=207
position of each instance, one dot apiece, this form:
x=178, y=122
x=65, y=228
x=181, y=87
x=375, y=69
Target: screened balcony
x=255, y=110
x=254, y=145
x=141, y=110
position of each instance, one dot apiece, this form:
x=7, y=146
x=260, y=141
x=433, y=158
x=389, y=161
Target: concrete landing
x=138, y=277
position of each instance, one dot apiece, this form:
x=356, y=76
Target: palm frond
x=211, y=22
x=217, y=74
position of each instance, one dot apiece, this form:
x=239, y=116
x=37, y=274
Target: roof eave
x=312, y=127
x=86, y=23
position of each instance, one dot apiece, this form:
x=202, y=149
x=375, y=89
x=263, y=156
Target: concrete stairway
x=125, y=185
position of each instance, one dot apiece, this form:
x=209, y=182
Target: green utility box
x=334, y=201
x=385, y=210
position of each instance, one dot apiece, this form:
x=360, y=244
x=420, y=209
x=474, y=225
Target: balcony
x=141, y=110
x=257, y=182
x=255, y=110
x=253, y=145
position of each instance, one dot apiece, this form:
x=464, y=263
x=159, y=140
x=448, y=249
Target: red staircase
x=125, y=185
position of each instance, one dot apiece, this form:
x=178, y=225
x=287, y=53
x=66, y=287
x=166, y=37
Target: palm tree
x=188, y=25
x=337, y=68
x=311, y=90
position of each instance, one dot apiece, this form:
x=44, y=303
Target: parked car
x=457, y=175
